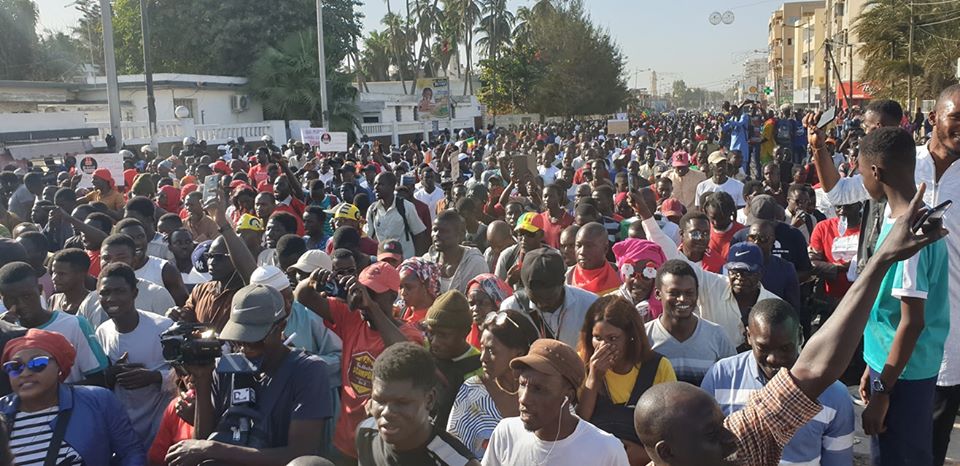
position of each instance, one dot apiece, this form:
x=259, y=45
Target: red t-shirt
x=94, y=256
x=172, y=430
x=361, y=346
x=824, y=240
x=551, y=230
x=290, y=210
x=719, y=247
x=257, y=173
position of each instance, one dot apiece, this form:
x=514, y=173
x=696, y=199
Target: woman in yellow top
x=621, y=366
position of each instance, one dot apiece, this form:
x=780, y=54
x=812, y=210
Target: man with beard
x=691, y=343
x=775, y=336
x=547, y=432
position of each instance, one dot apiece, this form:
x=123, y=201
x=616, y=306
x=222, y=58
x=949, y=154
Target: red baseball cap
x=680, y=159
x=671, y=206
x=380, y=277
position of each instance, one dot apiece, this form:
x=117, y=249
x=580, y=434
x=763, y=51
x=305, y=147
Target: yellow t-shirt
x=619, y=386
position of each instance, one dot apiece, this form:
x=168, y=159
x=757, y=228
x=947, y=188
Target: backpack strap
x=402, y=210
x=56, y=440
x=648, y=371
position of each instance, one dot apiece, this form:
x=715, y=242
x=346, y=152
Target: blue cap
x=199, y=256
x=745, y=256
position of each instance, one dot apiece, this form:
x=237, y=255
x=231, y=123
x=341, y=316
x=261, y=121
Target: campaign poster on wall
x=434, y=99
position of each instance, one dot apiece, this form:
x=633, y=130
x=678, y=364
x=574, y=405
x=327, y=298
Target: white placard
x=615, y=127
x=332, y=142
x=88, y=163
x=311, y=135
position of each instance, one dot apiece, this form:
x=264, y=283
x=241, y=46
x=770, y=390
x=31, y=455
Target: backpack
x=402, y=210
x=783, y=133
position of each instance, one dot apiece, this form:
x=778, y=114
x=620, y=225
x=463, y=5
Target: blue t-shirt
x=922, y=276
x=827, y=439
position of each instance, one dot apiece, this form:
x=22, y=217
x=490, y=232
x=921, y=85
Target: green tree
x=285, y=79
x=506, y=81
x=60, y=56
x=496, y=27
x=18, y=39
x=375, y=59
x=884, y=28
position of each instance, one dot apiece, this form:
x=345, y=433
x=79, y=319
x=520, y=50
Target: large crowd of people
x=699, y=290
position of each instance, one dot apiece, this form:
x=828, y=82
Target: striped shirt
x=30, y=439
x=826, y=440
x=474, y=416
x=693, y=357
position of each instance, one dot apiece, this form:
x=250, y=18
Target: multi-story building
x=781, y=44
x=753, y=79
x=841, y=17
x=809, y=71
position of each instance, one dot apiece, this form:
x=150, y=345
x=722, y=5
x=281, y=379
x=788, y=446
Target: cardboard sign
x=88, y=163
x=615, y=127
x=526, y=163
x=210, y=185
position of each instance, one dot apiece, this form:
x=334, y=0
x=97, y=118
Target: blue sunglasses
x=37, y=364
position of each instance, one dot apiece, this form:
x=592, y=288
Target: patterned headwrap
x=493, y=286
x=426, y=271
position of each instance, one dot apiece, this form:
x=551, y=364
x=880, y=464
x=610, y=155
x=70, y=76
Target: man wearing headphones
x=547, y=431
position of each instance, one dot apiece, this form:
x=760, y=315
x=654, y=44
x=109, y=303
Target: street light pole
x=148, y=73
x=324, y=118
x=110, y=62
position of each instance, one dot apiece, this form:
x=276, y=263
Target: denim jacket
x=98, y=429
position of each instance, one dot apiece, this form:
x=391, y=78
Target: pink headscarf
x=634, y=250
x=493, y=286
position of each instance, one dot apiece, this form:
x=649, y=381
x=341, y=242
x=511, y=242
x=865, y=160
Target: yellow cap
x=249, y=222
x=345, y=210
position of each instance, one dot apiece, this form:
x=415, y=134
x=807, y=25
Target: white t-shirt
x=79, y=333
x=511, y=444
x=144, y=405
x=150, y=298
x=430, y=199
x=732, y=187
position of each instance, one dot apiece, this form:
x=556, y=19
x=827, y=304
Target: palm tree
x=18, y=38
x=496, y=27
x=392, y=21
x=284, y=78
x=522, y=26
x=427, y=25
x=375, y=59
x=470, y=11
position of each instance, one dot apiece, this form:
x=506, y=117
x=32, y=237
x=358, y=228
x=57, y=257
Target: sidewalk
x=861, y=442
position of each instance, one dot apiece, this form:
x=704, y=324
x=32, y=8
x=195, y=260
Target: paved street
x=861, y=442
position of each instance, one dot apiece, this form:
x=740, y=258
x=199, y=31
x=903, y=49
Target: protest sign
x=615, y=127
x=311, y=135
x=88, y=163
x=332, y=142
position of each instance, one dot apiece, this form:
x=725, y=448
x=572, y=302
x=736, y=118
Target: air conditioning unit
x=239, y=103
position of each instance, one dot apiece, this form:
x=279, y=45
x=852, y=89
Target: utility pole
x=910, y=62
x=148, y=73
x=110, y=61
x=321, y=56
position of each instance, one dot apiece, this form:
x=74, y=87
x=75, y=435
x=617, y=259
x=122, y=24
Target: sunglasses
x=36, y=365
x=498, y=318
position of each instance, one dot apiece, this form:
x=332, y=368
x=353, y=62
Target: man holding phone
x=935, y=163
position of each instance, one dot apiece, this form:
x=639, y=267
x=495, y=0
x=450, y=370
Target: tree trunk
x=396, y=53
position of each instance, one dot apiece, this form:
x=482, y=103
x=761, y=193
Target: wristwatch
x=879, y=387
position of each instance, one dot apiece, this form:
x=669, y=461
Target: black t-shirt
x=789, y=244
x=443, y=449
x=455, y=372
x=297, y=391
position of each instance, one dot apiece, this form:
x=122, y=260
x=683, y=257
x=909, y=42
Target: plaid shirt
x=769, y=420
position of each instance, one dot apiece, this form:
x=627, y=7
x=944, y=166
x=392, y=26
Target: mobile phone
x=210, y=185
x=935, y=213
x=827, y=117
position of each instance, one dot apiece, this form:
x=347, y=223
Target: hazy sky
x=674, y=37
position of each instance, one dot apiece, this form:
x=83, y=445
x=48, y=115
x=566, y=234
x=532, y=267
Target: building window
x=190, y=104
x=371, y=118
x=789, y=42
x=399, y=115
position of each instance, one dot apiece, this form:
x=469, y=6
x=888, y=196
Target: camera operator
x=291, y=400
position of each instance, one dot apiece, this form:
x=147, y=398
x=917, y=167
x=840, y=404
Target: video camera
x=189, y=344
